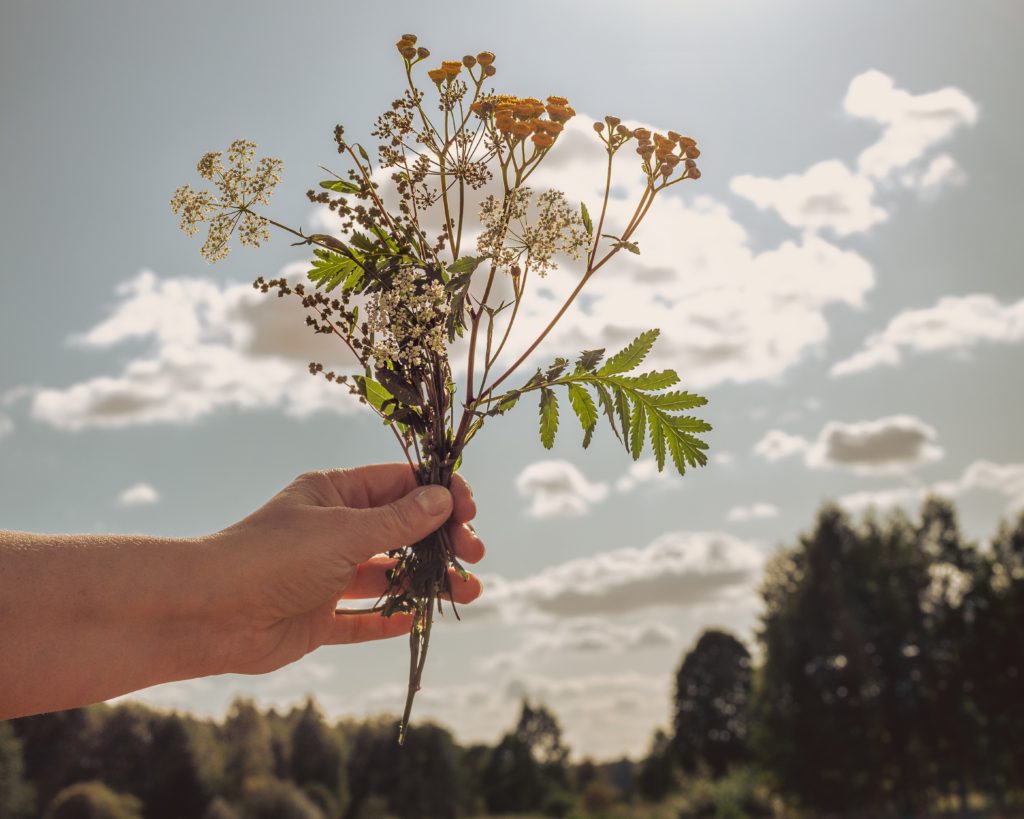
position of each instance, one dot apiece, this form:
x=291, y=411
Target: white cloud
x=755, y=511
x=558, y=489
x=6, y=426
x=645, y=471
x=723, y=458
x=896, y=443
x=141, y=494
x=207, y=346
x=776, y=445
x=678, y=569
x=826, y=195
x=954, y=323
x=913, y=123
x=831, y=195
x=583, y=636
x=979, y=476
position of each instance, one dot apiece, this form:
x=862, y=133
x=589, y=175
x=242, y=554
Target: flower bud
x=612, y=121
x=489, y=70
x=410, y=37
x=469, y=61
x=485, y=58
x=599, y=126
x=422, y=53
x=641, y=133
x=409, y=52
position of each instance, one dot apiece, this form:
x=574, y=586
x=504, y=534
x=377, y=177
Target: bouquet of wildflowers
x=404, y=295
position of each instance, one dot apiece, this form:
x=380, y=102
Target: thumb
x=400, y=523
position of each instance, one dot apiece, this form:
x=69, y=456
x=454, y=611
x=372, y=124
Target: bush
x=93, y=800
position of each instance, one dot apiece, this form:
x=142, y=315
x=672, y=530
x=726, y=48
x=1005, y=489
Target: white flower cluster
x=408, y=319
x=240, y=187
x=511, y=236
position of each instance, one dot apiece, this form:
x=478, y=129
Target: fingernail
x=432, y=499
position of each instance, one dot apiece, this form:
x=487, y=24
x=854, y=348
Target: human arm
x=88, y=617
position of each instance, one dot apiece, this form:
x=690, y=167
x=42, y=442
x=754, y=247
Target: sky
x=842, y=283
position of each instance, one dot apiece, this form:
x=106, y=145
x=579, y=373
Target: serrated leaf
x=587, y=223
x=588, y=360
x=678, y=401
x=608, y=406
x=548, y=417
x=465, y=264
x=656, y=380
x=556, y=369
x=585, y=409
x=637, y=430
x=331, y=269
x=622, y=410
x=657, y=439
x=340, y=186
x=632, y=355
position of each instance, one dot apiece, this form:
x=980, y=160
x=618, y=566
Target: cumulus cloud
x=582, y=636
x=826, y=195
x=755, y=511
x=776, y=445
x=830, y=195
x=913, y=123
x=896, y=443
x=678, y=569
x=141, y=494
x=1006, y=480
x=558, y=489
x=955, y=323
x=205, y=346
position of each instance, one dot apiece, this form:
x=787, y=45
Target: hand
x=284, y=567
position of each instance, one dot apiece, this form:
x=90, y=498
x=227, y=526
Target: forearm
x=88, y=617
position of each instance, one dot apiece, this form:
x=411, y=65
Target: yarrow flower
x=240, y=187
x=408, y=320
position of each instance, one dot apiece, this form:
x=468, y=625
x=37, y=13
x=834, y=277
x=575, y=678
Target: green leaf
x=374, y=393
x=548, y=417
x=340, y=186
x=556, y=369
x=657, y=439
x=585, y=409
x=608, y=406
x=632, y=355
x=465, y=264
x=399, y=387
x=655, y=380
x=678, y=401
x=622, y=409
x=588, y=360
x=331, y=269
x=587, y=223
x=362, y=152
x=637, y=429
x=632, y=247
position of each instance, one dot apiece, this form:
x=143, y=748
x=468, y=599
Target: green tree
x=316, y=756
x=93, y=800
x=422, y=779
x=711, y=701
x=818, y=712
x=122, y=747
x=175, y=786
x=55, y=748
x=265, y=797
x=247, y=746
x=528, y=770
x=657, y=777
x=17, y=797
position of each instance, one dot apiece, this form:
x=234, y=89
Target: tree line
x=885, y=681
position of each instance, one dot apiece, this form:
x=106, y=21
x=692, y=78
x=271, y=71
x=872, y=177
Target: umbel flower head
x=240, y=187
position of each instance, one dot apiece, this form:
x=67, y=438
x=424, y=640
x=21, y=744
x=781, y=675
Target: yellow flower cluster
x=667, y=151
x=521, y=117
